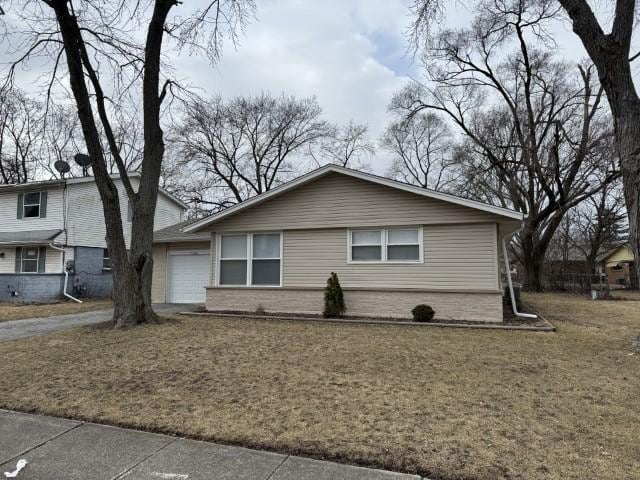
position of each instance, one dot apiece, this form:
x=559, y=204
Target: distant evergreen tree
x=333, y=298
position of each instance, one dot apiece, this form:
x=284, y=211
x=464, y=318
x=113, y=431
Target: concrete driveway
x=59, y=449
x=14, y=329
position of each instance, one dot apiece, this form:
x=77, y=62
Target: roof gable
x=327, y=196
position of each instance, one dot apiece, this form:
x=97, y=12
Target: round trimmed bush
x=422, y=313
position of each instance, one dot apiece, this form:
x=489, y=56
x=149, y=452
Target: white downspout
x=66, y=276
x=513, y=298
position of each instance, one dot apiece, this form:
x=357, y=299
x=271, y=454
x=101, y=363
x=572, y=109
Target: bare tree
x=348, y=146
x=422, y=149
x=533, y=122
x=245, y=146
x=598, y=224
x=611, y=54
x=20, y=133
x=95, y=45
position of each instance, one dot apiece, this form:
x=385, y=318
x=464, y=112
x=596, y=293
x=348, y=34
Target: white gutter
x=508, y=267
x=66, y=275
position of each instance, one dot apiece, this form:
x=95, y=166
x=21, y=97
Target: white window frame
x=37, y=260
x=25, y=205
x=384, y=234
x=249, y=259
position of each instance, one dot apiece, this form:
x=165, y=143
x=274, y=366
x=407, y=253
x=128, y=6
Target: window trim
x=249, y=259
x=384, y=233
x=37, y=260
x=105, y=256
x=25, y=205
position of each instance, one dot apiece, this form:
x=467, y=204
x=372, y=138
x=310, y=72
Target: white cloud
x=344, y=53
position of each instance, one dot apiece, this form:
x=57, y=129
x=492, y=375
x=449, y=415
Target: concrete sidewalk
x=59, y=449
x=28, y=327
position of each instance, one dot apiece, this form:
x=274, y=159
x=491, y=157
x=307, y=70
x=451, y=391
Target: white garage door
x=188, y=276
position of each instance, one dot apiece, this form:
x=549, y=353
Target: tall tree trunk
x=532, y=255
x=534, y=271
x=610, y=54
x=628, y=136
x=131, y=271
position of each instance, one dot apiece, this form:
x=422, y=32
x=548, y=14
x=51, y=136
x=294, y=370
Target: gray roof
x=30, y=237
x=175, y=233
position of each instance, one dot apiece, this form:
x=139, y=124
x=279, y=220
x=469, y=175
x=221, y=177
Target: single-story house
x=392, y=245
x=618, y=263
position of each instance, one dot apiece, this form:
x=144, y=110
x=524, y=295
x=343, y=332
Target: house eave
x=509, y=215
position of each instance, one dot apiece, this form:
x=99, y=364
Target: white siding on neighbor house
x=167, y=213
x=8, y=263
x=337, y=200
x=85, y=220
x=456, y=258
x=53, y=262
x=9, y=221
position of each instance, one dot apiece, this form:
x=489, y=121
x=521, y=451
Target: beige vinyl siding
x=8, y=263
x=159, y=275
x=622, y=254
x=456, y=257
x=337, y=200
x=9, y=207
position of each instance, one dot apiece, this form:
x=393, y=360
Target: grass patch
x=445, y=403
x=19, y=311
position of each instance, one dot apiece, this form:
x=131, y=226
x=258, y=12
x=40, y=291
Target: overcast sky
x=351, y=54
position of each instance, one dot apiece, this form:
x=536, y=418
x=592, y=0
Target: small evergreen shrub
x=422, y=313
x=333, y=298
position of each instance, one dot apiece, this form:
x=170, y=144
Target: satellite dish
x=61, y=166
x=82, y=159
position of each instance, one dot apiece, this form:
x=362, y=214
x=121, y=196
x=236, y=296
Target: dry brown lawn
x=446, y=403
x=18, y=311
x=626, y=294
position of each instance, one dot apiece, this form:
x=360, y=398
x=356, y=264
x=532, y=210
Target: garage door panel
x=188, y=277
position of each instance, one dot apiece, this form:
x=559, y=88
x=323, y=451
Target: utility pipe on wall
x=66, y=276
x=513, y=297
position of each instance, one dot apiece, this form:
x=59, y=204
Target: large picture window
x=388, y=245
x=250, y=259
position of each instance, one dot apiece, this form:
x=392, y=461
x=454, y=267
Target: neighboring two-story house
x=50, y=226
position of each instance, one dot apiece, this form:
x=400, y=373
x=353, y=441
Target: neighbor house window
x=252, y=259
x=392, y=245
x=106, y=260
x=30, y=258
x=31, y=207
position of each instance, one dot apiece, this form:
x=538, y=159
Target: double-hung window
x=252, y=259
x=30, y=257
x=31, y=205
x=389, y=245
